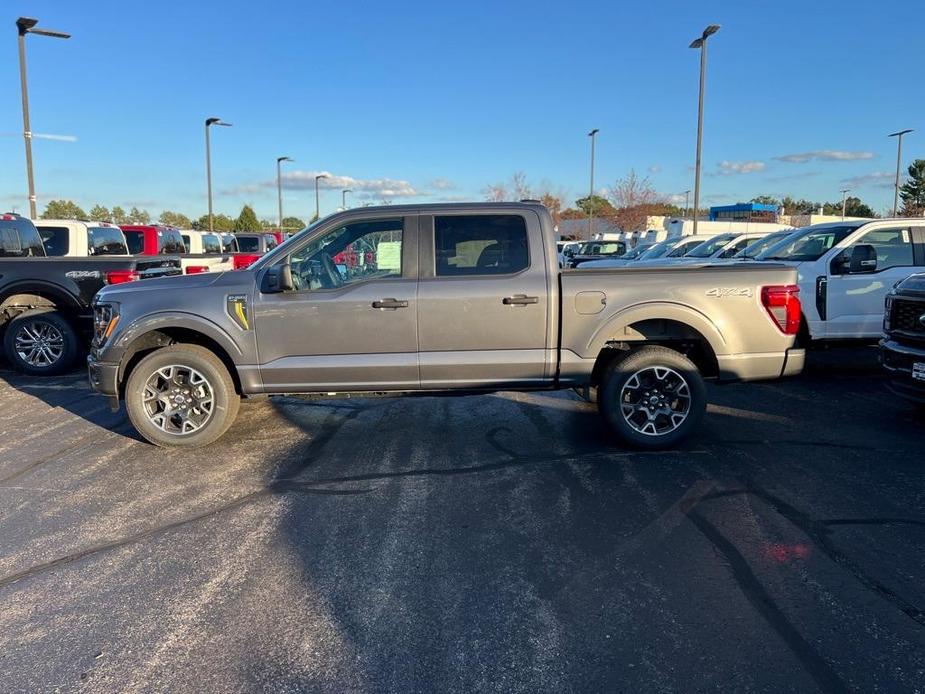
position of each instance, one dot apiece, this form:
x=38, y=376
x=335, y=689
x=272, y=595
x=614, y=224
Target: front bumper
x=104, y=379
x=898, y=359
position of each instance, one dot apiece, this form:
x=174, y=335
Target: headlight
x=105, y=319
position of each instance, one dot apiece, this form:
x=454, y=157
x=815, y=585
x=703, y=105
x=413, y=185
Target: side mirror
x=863, y=259
x=278, y=279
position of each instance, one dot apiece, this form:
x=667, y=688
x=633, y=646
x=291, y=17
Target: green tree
x=792, y=206
x=98, y=213
x=292, y=224
x=247, y=220
x=600, y=205
x=853, y=208
x=912, y=191
x=63, y=209
x=765, y=200
x=220, y=222
x=137, y=216
x=119, y=216
x=267, y=224
x=174, y=219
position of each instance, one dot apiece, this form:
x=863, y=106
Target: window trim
x=428, y=235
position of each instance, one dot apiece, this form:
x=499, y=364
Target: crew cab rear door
x=483, y=300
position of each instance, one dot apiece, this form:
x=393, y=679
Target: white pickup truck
x=845, y=270
x=205, y=252
x=76, y=239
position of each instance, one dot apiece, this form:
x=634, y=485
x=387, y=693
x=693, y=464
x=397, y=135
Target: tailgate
x=157, y=266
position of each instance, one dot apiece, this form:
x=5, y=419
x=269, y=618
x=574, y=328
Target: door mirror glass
x=278, y=279
x=863, y=259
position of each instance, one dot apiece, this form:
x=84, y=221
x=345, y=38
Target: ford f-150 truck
x=902, y=349
x=462, y=297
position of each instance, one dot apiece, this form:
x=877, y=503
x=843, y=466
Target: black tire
x=587, y=393
x=212, y=420
x=680, y=392
x=58, y=344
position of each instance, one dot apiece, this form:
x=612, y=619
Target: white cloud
x=364, y=188
x=824, y=155
x=730, y=168
x=655, y=168
x=880, y=179
x=442, y=184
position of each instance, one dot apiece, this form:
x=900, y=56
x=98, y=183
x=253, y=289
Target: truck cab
x=72, y=238
x=845, y=270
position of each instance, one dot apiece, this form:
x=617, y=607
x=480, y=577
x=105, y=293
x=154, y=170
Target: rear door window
x=480, y=245
x=106, y=241
x=56, y=240
x=20, y=239
x=271, y=241
x=211, y=243
x=248, y=244
x=228, y=244
x=170, y=241
x=135, y=241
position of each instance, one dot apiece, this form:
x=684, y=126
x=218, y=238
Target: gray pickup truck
x=462, y=297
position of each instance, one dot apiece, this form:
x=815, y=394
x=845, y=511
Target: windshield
x=710, y=246
x=657, y=250
x=754, y=249
x=682, y=248
x=636, y=252
x=810, y=245
x=600, y=248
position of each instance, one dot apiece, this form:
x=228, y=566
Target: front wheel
x=652, y=398
x=182, y=396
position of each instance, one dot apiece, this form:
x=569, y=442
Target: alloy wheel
x=178, y=399
x=655, y=400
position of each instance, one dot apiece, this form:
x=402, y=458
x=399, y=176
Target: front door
x=854, y=302
x=483, y=301
x=351, y=323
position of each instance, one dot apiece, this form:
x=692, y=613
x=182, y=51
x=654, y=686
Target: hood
x=915, y=284
x=182, y=282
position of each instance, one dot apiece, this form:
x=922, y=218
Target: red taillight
x=242, y=260
x=196, y=269
x=783, y=305
x=121, y=276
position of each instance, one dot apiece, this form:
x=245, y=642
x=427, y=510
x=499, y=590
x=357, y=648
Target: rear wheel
x=652, y=398
x=181, y=395
x=41, y=342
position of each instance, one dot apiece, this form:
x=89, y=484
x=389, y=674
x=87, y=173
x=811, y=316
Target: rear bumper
x=897, y=359
x=104, y=379
x=763, y=366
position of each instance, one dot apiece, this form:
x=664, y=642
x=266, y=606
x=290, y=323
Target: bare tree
x=519, y=186
x=634, y=199
x=496, y=192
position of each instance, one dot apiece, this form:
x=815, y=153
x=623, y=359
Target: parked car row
x=51, y=269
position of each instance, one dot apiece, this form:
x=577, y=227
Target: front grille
x=908, y=316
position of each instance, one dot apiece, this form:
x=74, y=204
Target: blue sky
x=433, y=101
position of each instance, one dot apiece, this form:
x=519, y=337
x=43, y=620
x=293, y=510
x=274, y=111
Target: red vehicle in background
x=153, y=239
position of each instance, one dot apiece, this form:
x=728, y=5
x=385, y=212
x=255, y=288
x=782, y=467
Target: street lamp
x=687, y=201
x=279, y=187
x=899, y=156
x=592, y=135
x=844, y=199
x=211, y=121
x=343, y=197
x=700, y=43
x=317, y=206
x=26, y=25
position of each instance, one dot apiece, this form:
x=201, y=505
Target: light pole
x=844, y=199
x=899, y=156
x=687, y=202
x=279, y=187
x=700, y=43
x=211, y=121
x=343, y=197
x=592, y=135
x=317, y=206
x=26, y=25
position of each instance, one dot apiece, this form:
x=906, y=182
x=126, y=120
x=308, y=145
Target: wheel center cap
x=653, y=400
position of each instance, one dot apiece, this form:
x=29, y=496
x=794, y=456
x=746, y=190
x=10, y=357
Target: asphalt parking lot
x=487, y=543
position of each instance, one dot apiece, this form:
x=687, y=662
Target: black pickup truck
x=45, y=315
x=902, y=349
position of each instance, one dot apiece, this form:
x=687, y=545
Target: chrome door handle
x=520, y=300
x=390, y=304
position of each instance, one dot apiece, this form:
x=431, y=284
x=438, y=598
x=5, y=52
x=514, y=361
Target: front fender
x=616, y=327
x=176, y=319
